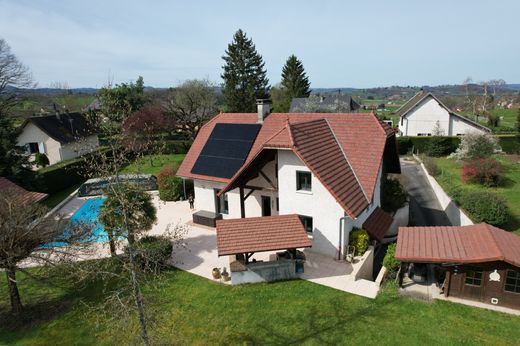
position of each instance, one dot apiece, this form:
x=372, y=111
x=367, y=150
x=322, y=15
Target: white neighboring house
x=420, y=116
x=60, y=137
x=324, y=167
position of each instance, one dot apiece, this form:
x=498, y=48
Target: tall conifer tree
x=294, y=79
x=244, y=75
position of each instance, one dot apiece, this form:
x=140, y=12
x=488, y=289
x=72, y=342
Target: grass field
x=188, y=309
x=450, y=180
x=152, y=164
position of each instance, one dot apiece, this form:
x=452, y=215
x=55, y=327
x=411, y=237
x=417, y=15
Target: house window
x=307, y=223
x=424, y=134
x=221, y=203
x=512, y=281
x=474, y=276
x=33, y=148
x=303, y=181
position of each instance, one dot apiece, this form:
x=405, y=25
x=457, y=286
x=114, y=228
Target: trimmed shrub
x=359, y=239
x=152, y=253
x=485, y=207
x=438, y=146
x=393, y=195
x=41, y=160
x=390, y=262
x=431, y=166
x=487, y=172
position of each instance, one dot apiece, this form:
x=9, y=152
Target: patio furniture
x=206, y=218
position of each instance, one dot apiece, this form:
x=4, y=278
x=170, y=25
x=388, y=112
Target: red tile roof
x=457, y=244
x=360, y=135
x=378, y=223
x=318, y=148
x=7, y=186
x=258, y=234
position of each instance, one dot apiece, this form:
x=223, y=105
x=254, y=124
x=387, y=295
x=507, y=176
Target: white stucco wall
x=33, y=134
x=424, y=117
x=460, y=127
x=82, y=146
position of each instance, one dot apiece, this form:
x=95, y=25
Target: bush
x=152, y=253
x=404, y=145
x=487, y=172
x=41, y=160
x=485, y=207
x=440, y=146
x=359, y=239
x=390, y=262
x=431, y=166
x=393, y=195
x=476, y=146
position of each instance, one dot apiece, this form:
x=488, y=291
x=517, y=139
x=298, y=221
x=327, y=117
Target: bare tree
x=26, y=232
x=192, y=104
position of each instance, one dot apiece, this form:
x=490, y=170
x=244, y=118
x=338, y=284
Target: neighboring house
x=60, y=137
x=424, y=113
x=22, y=195
x=323, y=167
x=478, y=262
x=326, y=103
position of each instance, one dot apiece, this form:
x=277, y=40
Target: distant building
x=420, y=115
x=327, y=103
x=60, y=137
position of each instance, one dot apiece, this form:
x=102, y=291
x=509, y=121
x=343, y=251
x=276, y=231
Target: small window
x=474, y=276
x=307, y=223
x=221, y=203
x=424, y=134
x=303, y=181
x=512, y=281
x=33, y=148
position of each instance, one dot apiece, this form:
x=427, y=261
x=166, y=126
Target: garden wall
x=456, y=216
x=364, y=265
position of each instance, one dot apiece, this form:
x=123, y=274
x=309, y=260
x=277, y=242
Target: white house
x=424, y=113
x=324, y=167
x=60, y=137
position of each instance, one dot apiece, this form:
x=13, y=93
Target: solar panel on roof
x=226, y=150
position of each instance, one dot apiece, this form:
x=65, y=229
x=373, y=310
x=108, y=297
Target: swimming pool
x=88, y=215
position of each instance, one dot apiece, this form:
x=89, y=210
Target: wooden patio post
x=242, y=203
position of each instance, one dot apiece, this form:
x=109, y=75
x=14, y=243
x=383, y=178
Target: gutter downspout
x=341, y=222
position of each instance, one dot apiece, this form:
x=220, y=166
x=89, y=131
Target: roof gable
x=65, y=128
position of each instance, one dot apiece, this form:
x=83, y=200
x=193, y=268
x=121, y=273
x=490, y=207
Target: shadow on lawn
x=330, y=326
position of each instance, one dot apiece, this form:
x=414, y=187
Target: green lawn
x=152, y=164
x=450, y=180
x=55, y=198
x=188, y=309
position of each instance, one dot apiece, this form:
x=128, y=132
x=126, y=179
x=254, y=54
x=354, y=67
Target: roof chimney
x=263, y=107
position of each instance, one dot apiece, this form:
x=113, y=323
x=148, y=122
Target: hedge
x=510, y=143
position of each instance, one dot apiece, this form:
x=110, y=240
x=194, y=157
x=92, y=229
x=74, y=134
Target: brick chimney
x=263, y=107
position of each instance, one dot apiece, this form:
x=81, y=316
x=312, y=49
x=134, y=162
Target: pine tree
x=244, y=75
x=294, y=79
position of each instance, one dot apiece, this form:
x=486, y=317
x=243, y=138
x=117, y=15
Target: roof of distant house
x=23, y=196
x=420, y=96
x=457, y=244
x=324, y=103
x=258, y=234
x=347, y=134
x=64, y=128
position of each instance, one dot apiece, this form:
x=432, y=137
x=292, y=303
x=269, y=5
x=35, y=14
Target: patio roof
x=259, y=234
x=457, y=244
x=22, y=195
x=378, y=223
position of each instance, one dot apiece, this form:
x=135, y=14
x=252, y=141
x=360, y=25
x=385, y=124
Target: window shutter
x=41, y=148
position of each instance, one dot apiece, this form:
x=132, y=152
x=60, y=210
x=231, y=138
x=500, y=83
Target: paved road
x=425, y=209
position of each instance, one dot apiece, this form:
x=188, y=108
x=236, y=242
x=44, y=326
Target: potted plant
x=216, y=273
x=225, y=275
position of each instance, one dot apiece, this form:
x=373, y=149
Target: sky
x=358, y=44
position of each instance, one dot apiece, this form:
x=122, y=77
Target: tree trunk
x=137, y=296
x=14, y=295
x=111, y=243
